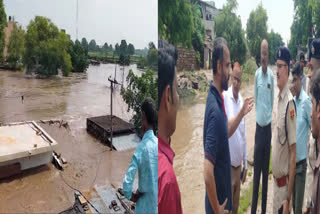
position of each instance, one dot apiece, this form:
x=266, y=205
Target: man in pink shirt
x=169, y=200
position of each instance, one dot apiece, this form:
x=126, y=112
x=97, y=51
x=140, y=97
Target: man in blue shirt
x=216, y=131
x=263, y=93
x=145, y=160
x=303, y=107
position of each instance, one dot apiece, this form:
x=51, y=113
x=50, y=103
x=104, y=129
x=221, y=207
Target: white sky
x=103, y=20
x=280, y=14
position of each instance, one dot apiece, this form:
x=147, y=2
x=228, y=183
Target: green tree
x=175, y=22
x=16, y=46
x=3, y=24
x=228, y=25
x=85, y=45
x=123, y=47
x=301, y=28
x=92, y=45
x=105, y=47
x=257, y=31
x=138, y=89
x=110, y=47
x=152, y=58
x=117, y=49
x=151, y=45
x=131, y=49
x=79, y=58
x=198, y=34
x=274, y=42
x=315, y=8
x=46, y=48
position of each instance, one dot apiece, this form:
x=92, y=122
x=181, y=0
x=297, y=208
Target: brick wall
x=187, y=59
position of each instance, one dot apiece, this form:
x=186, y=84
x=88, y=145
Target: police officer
x=284, y=142
x=314, y=64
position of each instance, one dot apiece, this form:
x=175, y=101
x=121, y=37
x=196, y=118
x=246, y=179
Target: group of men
x=295, y=168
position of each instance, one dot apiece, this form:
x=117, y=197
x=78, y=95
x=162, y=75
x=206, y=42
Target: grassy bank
x=108, y=57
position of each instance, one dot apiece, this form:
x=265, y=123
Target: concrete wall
x=187, y=59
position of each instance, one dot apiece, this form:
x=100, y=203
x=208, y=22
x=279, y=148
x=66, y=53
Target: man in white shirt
x=237, y=142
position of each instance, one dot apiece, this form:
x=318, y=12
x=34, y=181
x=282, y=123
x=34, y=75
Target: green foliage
x=315, y=8
x=301, y=28
x=175, y=22
x=85, y=45
x=105, y=47
x=79, y=58
x=257, y=31
x=46, y=49
x=249, y=69
x=142, y=52
x=228, y=25
x=138, y=89
x=270, y=162
x=198, y=34
x=16, y=46
x=274, y=42
x=93, y=45
x=142, y=62
x=124, y=59
x=123, y=47
x=117, y=49
x=3, y=24
x=152, y=59
x=131, y=49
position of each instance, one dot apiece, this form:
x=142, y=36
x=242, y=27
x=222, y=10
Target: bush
x=250, y=66
x=249, y=69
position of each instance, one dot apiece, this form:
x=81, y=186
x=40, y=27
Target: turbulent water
x=72, y=99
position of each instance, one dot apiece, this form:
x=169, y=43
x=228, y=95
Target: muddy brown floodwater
x=71, y=99
x=187, y=142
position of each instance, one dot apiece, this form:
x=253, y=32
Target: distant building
x=208, y=12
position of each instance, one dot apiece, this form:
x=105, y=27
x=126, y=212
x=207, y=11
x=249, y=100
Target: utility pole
x=77, y=21
x=112, y=82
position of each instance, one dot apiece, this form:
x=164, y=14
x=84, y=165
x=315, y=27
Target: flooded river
x=187, y=142
x=72, y=99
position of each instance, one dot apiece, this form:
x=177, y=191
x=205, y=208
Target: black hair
x=315, y=86
x=297, y=70
x=217, y=53
x=301, y=56
x=167, y=60
x=149, y=109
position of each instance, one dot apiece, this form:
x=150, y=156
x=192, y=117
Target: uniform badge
x=312, y=50
x=292, y=114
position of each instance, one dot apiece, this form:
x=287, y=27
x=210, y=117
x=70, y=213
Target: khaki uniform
x=281, y=144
